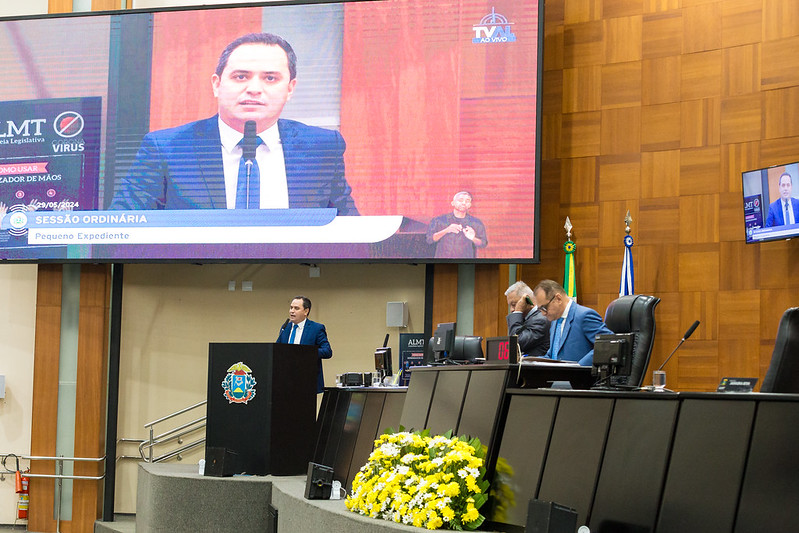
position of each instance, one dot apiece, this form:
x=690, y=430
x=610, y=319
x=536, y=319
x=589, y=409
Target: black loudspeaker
x=549, y=517
x=319, y=482
x=220, y=462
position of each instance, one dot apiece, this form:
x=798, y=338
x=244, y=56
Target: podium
x=261, y=409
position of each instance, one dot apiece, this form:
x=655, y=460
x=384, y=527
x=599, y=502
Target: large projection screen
x=408, y=132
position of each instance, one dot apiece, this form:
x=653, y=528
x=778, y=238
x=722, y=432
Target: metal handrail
x=176, y=413
x=171, y=435
x=58, y=477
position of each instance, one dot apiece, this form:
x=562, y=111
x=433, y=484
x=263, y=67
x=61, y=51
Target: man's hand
x=520, y=305
x=454, y=228
x=469, y=233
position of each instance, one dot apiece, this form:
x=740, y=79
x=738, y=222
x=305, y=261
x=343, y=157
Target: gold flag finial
x=627, y=220
x=568, y=227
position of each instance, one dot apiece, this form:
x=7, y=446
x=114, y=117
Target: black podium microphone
x=286, y=323
x=684, y=338
x=248, y=145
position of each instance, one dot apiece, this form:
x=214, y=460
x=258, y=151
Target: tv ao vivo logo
x=493, y=28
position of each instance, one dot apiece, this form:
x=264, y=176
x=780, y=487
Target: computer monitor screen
x=383, y=361
x=443, y=340
x=613, y=353
x=467, y=348
x=770, y=205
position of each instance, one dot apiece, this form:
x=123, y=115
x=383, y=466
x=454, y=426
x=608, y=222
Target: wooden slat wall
x=657, y=107
x=95, y=286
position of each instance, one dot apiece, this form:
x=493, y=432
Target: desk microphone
x=684, y=338
x=385, y=341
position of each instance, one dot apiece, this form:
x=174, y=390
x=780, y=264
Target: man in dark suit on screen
x=298, y=329
x=574, y=327
x=201, y=165
x=526, y=320
x=784, y=210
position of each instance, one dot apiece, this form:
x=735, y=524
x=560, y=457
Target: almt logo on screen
x=493, y=28
x=68, y=124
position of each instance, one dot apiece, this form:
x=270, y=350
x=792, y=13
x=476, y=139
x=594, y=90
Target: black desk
x=541, y=376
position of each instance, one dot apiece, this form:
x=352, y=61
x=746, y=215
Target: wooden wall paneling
x=660, y=170
x=490, y=305
x=582, y=89
x=45, y=394
x=656, y=267
x=699, y=267
x=586, y=265
x=621, y=8
x=553, y=45
x=106, y=5
x=667, y=332
x=585, y=222
x=657, y=6
x=735, y=159
x=741, y=22
x=579, y=177
x=660, y=80
x=621, y=84
x=780, y=19
x=59, y=6
x=551, y=91
x=739, y=335
x=740, y=71
x=611, y=222
x=584, y=44
x=92, y=382
x=699, y=218
x=580, y=134
x=699, y=172
x=701, y=27
x=661, y=33
x=551, y=135
x=741, y=118
x=623, y=39
x=697, y=367
x=740, y=266
x=621, y=130
x=445, y=293
x=658, y=220
x=778, y=151
x=582, y=11
x=700, y=75
x=779, y=62
x=779, y=106
x=700, y=121
x=660, y=129
x=619, y=179
x=731, y=226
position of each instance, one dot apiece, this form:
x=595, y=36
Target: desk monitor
x=467, y=348
x=613, y=355
x=502, y=349
x=443, y=340
x=383, y=361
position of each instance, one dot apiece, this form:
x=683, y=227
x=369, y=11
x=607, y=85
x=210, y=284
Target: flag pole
x=569, y=278
x=627, y=284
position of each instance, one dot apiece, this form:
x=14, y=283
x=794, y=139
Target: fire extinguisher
x=21, y=487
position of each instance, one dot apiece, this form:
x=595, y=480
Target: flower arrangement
x=433, y=482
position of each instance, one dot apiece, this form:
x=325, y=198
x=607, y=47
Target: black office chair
x=783, y=371
x=634, y=314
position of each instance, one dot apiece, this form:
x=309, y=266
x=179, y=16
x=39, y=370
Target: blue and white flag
x=627, y=285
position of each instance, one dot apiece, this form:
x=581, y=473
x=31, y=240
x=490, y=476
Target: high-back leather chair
x=634, y=314
x=783, y=371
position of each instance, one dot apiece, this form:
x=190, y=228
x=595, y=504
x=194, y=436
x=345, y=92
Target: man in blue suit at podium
x=299, y=330
x=574, y=327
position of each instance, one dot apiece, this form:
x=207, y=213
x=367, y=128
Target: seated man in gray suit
x=526, y=321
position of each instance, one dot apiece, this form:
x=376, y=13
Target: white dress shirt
x=271, y=166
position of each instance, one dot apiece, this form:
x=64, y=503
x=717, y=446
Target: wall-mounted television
x=771, y=203
x=401, y=133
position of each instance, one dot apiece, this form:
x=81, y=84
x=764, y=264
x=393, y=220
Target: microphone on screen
x=248, y=144
x=684, y=338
